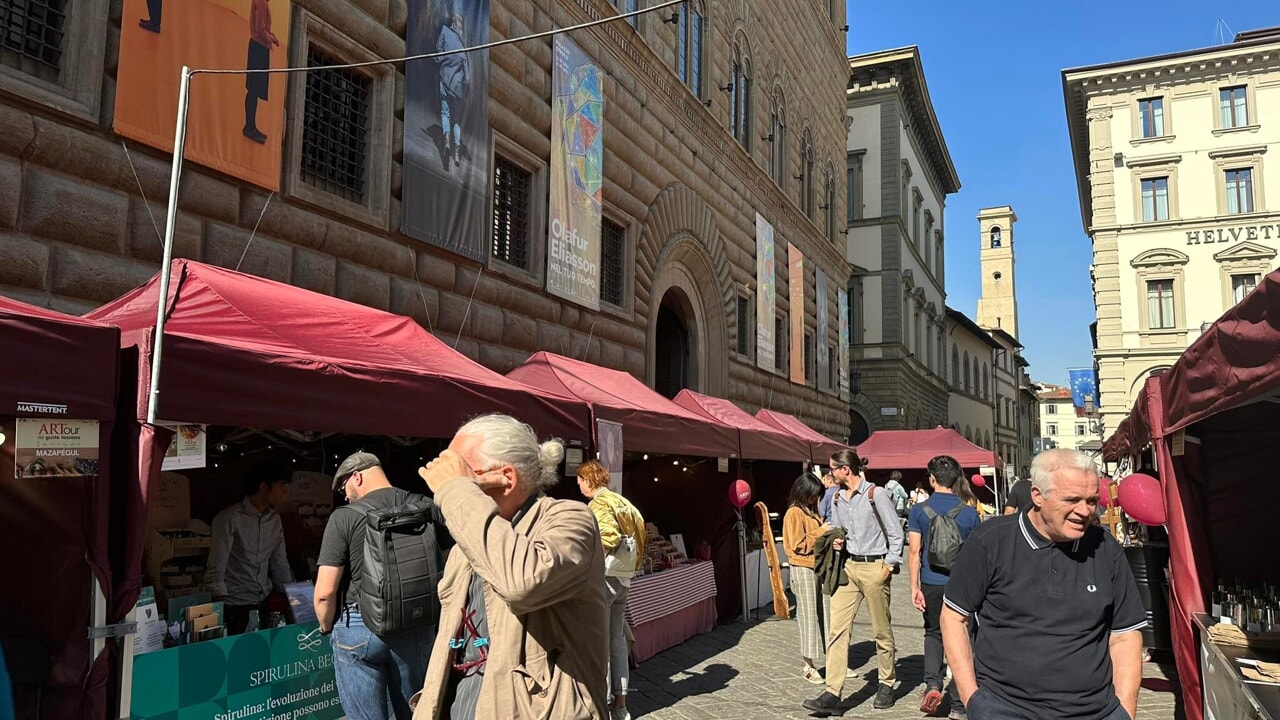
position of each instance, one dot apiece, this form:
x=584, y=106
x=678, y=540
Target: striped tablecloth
x=660, y=594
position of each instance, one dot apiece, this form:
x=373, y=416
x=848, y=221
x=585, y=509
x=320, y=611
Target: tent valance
x=913, y=449
x=56, y=365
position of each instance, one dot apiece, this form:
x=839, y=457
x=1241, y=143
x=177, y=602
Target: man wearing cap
x=376, y=676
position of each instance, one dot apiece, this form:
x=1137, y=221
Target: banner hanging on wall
x=842, y=308
x=795, y=293
x=446, y=127
x=577, y=176
x=765, y=298
x=235, y=123
x=820, y=343
x=609, y=445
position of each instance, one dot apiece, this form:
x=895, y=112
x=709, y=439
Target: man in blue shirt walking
x=927, y=583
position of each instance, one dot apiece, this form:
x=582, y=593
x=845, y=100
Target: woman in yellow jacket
x=801, y=526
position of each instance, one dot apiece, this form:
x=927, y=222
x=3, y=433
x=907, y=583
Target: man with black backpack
x=935, y=530
x=380, y=562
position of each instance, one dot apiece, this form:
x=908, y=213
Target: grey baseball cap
x=354, y=463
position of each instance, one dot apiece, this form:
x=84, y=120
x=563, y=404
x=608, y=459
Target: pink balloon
x=1142, y=499
x=739, y=493
x=1104, y=491
x=978, y=481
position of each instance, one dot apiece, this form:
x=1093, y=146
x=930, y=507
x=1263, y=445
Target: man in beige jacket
x=524, y=628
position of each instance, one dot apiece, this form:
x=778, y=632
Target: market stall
x=305, y=377
x=1212, y=422
x=909, y=452
x=57, y=411
x=673, y=464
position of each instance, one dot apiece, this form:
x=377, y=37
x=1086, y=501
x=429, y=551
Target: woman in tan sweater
x=801, y=526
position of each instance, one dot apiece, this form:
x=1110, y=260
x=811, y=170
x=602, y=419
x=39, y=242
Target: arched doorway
x=858, y=429
x=673, y=370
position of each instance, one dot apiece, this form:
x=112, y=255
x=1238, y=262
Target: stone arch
x=680, y=247
x=860, y=425
x=1141, y=379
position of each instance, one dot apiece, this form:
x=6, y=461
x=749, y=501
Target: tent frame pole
x=170, y=222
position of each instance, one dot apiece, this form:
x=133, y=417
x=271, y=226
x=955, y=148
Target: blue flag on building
x=1084, y=384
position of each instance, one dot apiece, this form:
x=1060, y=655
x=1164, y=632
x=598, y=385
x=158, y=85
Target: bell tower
x=998, y=304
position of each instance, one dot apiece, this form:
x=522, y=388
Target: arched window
x=740, y=97
x=806, y=173
x=690, y=32
x=968, y=433
x=778, y=140
x=986, y=381
x=977, y=382
x=955, y=366
x=995, y=237
x=829, y=200
x=986, y=439
x=968, y=387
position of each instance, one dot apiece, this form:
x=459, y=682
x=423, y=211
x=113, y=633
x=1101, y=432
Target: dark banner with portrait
x=235, y=123
x=446, y=127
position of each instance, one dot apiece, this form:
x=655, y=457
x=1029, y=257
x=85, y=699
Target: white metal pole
x=170, y=221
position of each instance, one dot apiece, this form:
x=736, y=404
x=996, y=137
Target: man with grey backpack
x=376, y=590
x=935, y=530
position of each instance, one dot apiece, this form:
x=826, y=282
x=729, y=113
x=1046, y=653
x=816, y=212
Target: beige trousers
x=866, y=581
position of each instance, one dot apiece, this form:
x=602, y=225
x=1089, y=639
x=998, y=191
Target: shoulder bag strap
x=871, y=497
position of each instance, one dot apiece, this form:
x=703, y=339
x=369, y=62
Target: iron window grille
x=335, y=130
x=32, y=36
x=780, y=344
x=511, y=195
x=744, y=326
x=613, y=252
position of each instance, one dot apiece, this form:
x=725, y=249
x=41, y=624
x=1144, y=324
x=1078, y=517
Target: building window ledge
x=1153, y=140
x=1219, y=132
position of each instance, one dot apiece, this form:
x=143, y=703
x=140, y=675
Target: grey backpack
x=402, y=565
x=944, y=538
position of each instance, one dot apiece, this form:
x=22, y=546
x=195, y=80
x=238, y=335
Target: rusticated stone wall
x=76, y=231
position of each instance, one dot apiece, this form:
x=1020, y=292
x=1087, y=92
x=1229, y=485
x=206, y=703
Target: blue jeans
x=452, y=130
x=377, y=677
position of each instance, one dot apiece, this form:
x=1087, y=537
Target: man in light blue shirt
x=872, y=553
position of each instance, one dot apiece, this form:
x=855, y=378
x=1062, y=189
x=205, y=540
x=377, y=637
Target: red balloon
x=1142, y=498
x=1104, y=491
x=739, y=493
x=978, y=481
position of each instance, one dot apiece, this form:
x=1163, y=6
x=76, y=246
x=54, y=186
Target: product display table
x=1227, y=693
x=666, y=608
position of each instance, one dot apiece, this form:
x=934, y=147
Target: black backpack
x=944, y=538
x=402, y=565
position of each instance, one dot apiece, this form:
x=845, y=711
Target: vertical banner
x=820, y=344
x=842, y=308
x=609, y=445
x=577, y=174
x=765, y=298
x=446, y=127
x=235, y=123
x=795, y=288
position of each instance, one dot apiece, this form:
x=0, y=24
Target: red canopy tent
x=650, y=422
x=759, y=440
x=913, y=449
x=821, y=447
x=54, y=530
x=1220, y=491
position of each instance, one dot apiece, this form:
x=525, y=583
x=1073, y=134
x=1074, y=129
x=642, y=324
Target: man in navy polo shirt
x=1057, y=610
x=927, y=582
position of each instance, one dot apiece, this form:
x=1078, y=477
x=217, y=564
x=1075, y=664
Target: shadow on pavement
x=672, y=675
x=662, y=692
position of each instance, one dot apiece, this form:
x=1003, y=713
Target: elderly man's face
x=1071, y=501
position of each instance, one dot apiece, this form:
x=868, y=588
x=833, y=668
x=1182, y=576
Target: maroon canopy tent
x=913, y=449
x=54, y=530
x=759, y=440
x=1219, y=493
x=650, y=422
x=821, y=447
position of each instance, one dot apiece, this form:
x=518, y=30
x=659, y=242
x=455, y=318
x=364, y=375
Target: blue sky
x=994, y=73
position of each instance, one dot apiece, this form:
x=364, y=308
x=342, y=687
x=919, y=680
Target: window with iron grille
x=613, y=257
x=33, y=37
x=335, y=129
x=744, y=326
x=780, y=343
x=511, y=196
x=809, y=358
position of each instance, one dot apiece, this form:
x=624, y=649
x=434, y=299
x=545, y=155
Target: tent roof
x=821, y=447
x=650, y=422
x=56, y=359
x=242, y=350
x=913, y=449
x=760, y=441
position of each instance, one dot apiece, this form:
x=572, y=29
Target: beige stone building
x=971, y=406
x=899, y=174
x=1059, y=422
x=708, y=121
x=1172, y=156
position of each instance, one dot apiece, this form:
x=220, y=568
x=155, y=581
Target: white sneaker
x=812, y=675
x=619, y=714
x=851, y=673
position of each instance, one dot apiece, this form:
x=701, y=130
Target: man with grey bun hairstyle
x=524, y=627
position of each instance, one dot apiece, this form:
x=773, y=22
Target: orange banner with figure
x=235, y=123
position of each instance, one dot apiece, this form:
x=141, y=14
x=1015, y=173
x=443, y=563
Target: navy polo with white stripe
x=1045, y=614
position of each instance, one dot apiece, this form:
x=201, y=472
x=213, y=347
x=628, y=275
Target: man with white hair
x=1058, y=613
x=524, y=626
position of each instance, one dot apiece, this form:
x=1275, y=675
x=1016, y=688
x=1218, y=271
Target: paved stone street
x=751, y=672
